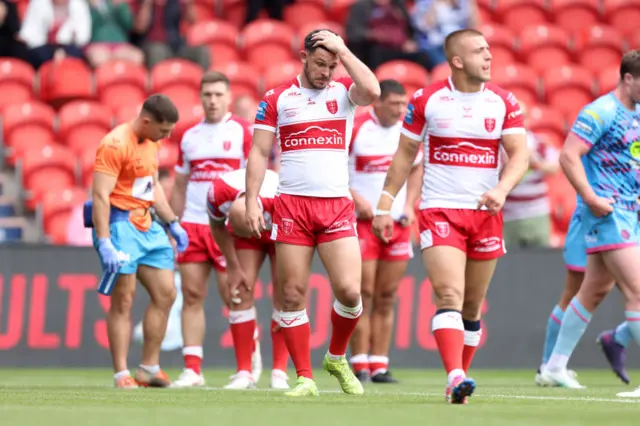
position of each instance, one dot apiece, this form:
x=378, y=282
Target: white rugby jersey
x=206, y=151
x=371, y=151
x=462, y=134
x=313, y=130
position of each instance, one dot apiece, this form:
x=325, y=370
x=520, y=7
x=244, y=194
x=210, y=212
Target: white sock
x=151, y=369
x=334, y=357
x=557, y=362
x=121, y=374
x=455, y=373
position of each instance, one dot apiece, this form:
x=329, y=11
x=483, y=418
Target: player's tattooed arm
x=515, y=145
x=399, y=170
x=178, y=197
x=103, y=185
x=161, y=205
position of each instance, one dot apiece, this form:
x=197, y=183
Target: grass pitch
x=86, y=397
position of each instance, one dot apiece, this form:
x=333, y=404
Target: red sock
x=243, y=324
x=360, y=362
x=193, y=358
x=472, y=334
x=279, y=347
x=449, y=333
x=343, y=322
x=296, y=331
x=378, y=364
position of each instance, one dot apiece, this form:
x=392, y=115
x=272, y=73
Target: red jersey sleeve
x=513, y=119
x=415, y=121
x=213, y=205
x=267, y=115
x=347, y=82
x=247, y=136
x=182, y=166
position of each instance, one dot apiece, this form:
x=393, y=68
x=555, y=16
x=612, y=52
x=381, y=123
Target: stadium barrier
x=51, y=314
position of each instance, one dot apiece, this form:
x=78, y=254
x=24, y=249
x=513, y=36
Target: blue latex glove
x=180, y=235
x=108, y=255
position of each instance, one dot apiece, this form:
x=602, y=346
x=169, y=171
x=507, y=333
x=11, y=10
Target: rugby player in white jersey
x=312, y=118
x=462, y=122
x=218, y=144
x=245, y=256
x=374, y=141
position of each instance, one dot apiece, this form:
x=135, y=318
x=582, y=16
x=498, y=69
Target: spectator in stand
x=245, y=107
x=436, y=19
x=156, y=29
x=53, y=29
x=274, y=8
x=112, y=21
x=381, y=30
x=526, y=212
x=10, y=45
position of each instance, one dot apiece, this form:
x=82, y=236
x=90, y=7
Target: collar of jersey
x=455, y=91
x=226, y=118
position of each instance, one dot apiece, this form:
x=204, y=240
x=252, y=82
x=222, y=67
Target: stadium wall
x=51, y=315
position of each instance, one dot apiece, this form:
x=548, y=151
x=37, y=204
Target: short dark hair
x=161, y=108
x=309, y=44
x=391, y=86
x=630, y=64
x=214, y=77
x=452, y=37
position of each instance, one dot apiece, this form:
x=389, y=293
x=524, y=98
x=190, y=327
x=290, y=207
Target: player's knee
x=384, y=302
x=366, y=294
x=192, y=295
x=349, y=297
x=293, y=297
x=164, y=297
x=122, y=304
x=449, y=298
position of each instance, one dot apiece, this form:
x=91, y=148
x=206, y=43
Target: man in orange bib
x=129, y=243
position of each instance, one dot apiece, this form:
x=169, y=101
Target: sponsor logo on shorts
x=400, y=249
x=625, y=234
x=328, y=134
x=207, y=170
x=373, y=163
x=442, y=229
x=340, y=225
x=287, y=226
x=476, y=153
x=487, y=245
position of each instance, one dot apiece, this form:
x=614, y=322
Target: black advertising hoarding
x=51, y=315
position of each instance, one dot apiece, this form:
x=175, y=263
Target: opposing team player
x=244, y=259
x=374, y=141
x=125, y=186
x=600, y=158
x=312, y=116
x=218, y=144
x=462, y=121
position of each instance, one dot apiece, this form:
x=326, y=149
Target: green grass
x=60, y=397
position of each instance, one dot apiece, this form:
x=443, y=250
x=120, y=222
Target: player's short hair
x=309, y=44
x=450, y=40
x=630, y=64
x=214, y=77
x=389, y=86
x=161, y=109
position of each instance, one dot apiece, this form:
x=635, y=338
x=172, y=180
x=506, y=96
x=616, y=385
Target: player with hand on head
x=245, y=255
x=125, y=186
x=600, y=158
x=374, y=141
x=462, y=122
x=312, y=117
x=218, y=144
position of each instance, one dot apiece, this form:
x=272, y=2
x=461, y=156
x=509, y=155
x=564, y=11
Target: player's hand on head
x=493, y=200
x=383, y=227
x=180, y=235
x=330, y=41
x=600, y=206
x=255, y=218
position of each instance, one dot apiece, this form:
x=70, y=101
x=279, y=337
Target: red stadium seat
x=298, y=14
x=568, y=89
x=59, y=203
x=182, y=94
x=45, y=169
x=175, y=72
x=500, y=38
x=87, y=161
x=517, y=78
x=168, y=155
x=599, y=45
x=16, y=81
x=244, y=79
x=121, y=83
x=219, y=36
x=127, y=113
x=281, y=73
x=265, y=42
x=190, y=115
x=575, y=15
x=542, y=46
x=562, y=197
x=547, y=123
x=27, y=125
x=517, y=14
x=608, y=79
x=235, y=11
x=440, y=72
x=339, y=10
x=311, y=26
x=64, y=80
x=83, y=124
x=410, y=74
x=623, y=15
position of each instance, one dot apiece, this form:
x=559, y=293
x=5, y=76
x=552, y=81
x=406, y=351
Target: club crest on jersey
x=332, y=106
x=442, y=229
x=489, y=124
x=287, y=226
x=226, y=145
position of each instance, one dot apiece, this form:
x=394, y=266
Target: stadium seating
x=554, y=55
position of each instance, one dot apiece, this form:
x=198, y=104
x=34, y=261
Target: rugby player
x=312, y=116
x=462, y=122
